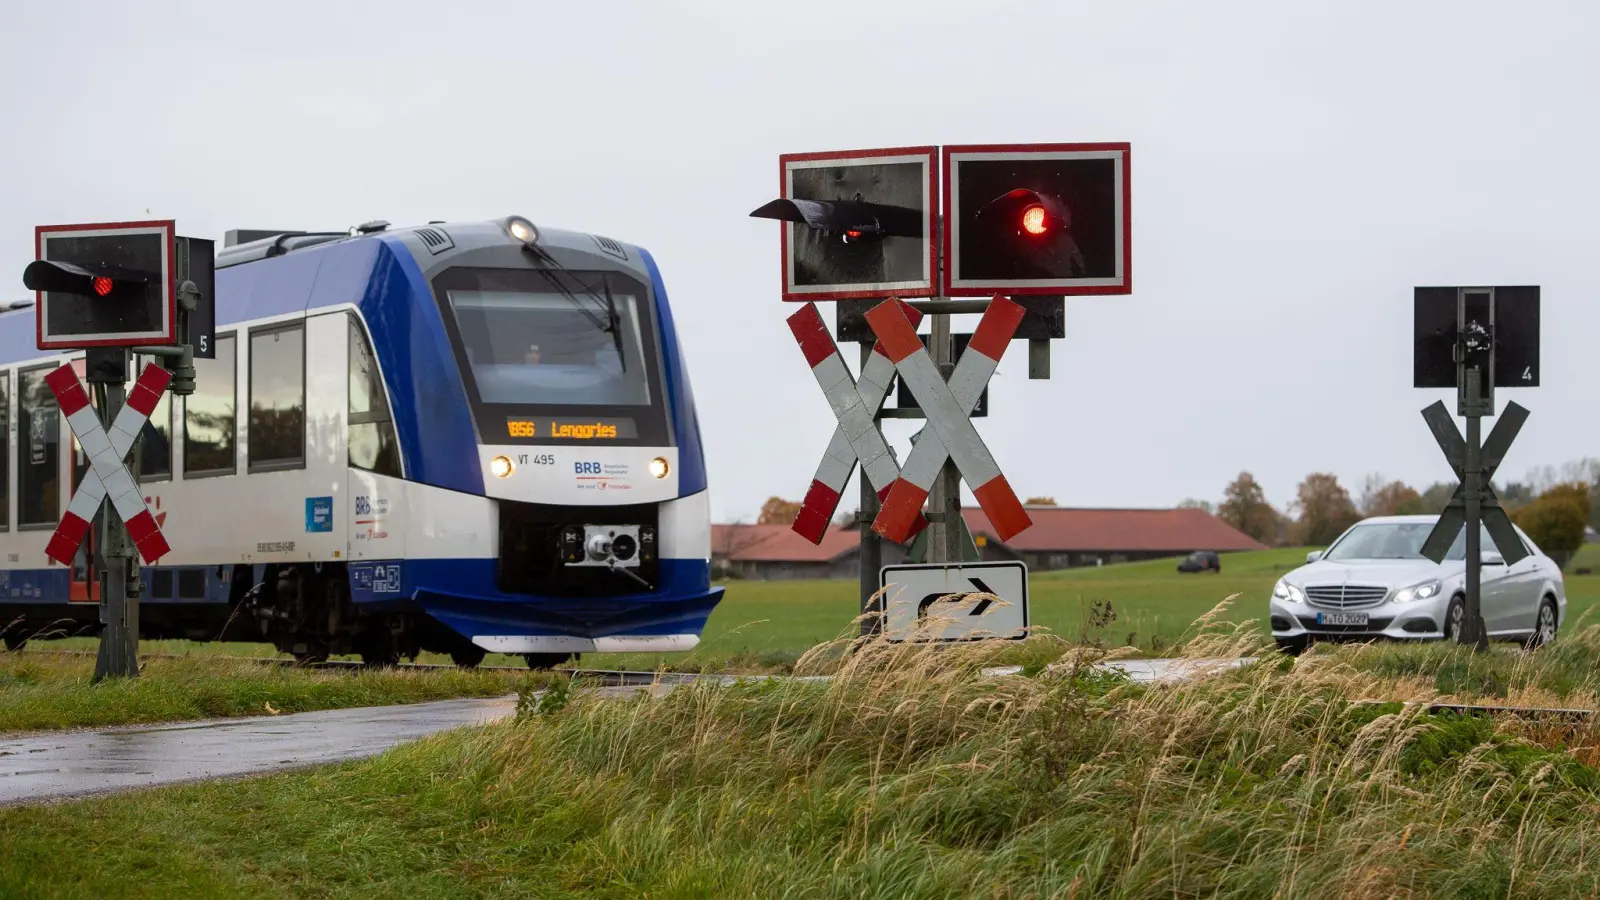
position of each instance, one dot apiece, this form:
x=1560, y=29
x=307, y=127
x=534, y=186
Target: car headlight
x=1418, y=592
x=1286, y=591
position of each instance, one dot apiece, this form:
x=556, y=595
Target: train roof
x=433, y=246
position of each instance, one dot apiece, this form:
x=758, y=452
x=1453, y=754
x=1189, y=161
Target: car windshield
x=1398, y=540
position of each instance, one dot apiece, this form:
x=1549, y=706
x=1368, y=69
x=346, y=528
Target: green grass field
x=766, y=625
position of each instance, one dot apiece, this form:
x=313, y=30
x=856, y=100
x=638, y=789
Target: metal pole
x=944, y=501
x=871, y=543
x=120, y=585
x=1473, y=630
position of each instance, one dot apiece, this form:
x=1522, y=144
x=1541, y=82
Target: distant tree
x=1191, y=503
x=1039, y=501
x=1245, y=507
x=1324, y=510
x=846, y=518
x=1392, y=498
x=728, y=541
x=1583, y=471
x=778, y=511
x=1436, y=496
x=1515, y=495
x=1556, y=519
x=1576, y=491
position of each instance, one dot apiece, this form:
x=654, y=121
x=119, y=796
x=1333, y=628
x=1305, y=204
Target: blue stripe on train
x=162, y=584
x=462, y=594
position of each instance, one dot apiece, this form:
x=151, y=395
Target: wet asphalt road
x=73, y=764
x=78, y=763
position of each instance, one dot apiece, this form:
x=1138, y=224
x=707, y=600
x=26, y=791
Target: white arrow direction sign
x=107, y=475
x=969, y=602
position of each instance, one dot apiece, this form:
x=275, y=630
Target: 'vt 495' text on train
x=456, y=438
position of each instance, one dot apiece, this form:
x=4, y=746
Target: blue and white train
x=456, y=438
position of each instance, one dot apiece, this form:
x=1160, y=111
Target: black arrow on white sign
x=978, y=610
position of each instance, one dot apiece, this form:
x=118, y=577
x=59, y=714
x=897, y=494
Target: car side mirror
x=1313, y=556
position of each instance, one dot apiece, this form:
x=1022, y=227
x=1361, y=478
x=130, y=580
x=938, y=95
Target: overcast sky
x=1295, y=174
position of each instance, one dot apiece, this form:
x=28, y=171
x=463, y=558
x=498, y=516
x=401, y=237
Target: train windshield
x=548, y=348
x=557, y=356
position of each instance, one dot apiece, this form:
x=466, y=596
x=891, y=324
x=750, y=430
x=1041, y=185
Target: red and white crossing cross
x=107, y=475
x=947, y=405
x=856, y=436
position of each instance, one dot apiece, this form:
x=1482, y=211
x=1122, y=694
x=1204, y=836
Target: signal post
x=890, y=235
x=1475, y=339
x=110, y=289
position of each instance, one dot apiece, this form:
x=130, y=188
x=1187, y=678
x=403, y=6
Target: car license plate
x=1343, y=618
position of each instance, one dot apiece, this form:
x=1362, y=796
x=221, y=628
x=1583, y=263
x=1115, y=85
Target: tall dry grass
x=913, y=773
x=910, y=773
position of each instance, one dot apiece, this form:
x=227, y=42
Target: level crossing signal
x=1021, y=226
x=105, y=285
x=1037, y=219
x=108, y=477
x=857, y=224
x=1475, y=339
x=112, y=290
x=1016, y=219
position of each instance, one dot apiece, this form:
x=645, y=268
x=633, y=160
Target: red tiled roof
x=1055, y=529
x=1119, y=530
x=779, y=543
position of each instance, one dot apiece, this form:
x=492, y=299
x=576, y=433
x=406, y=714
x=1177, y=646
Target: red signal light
x=852, y=234
x=102, y=286
x=1033, y=219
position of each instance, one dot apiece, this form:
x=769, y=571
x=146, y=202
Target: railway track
x=628, y=678
x=606, y=677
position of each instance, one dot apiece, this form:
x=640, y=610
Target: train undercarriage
x=302, y=610
x=305, y=611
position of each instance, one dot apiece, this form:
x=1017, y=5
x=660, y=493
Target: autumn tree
x=1436, y=496
x=1039, y=501
x=1556, y=519
x=1192, y=503
x=778, y=511
x=1389, y=498
x=1245, y=507
x=1324, y=510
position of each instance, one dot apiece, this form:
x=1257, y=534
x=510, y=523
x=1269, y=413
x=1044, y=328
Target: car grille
x=1346, y=596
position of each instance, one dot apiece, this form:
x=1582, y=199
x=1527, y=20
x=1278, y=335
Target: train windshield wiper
x=612, y=321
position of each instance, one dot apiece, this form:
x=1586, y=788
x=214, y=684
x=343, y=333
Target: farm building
x=1060, y=538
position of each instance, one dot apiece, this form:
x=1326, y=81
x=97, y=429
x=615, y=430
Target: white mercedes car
x=1373, y=582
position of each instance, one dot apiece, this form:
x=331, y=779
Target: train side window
x=208, y=413
x=277, y=398
x=39, y=425
x=155, y=439
x=5, y=451
x=373, y=444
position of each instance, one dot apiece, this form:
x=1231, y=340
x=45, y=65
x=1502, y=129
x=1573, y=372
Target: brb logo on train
x=593, y=475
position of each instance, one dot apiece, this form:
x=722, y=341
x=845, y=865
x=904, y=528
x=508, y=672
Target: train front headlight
x=658, y=467
x=501, y=466
x=522, y=229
